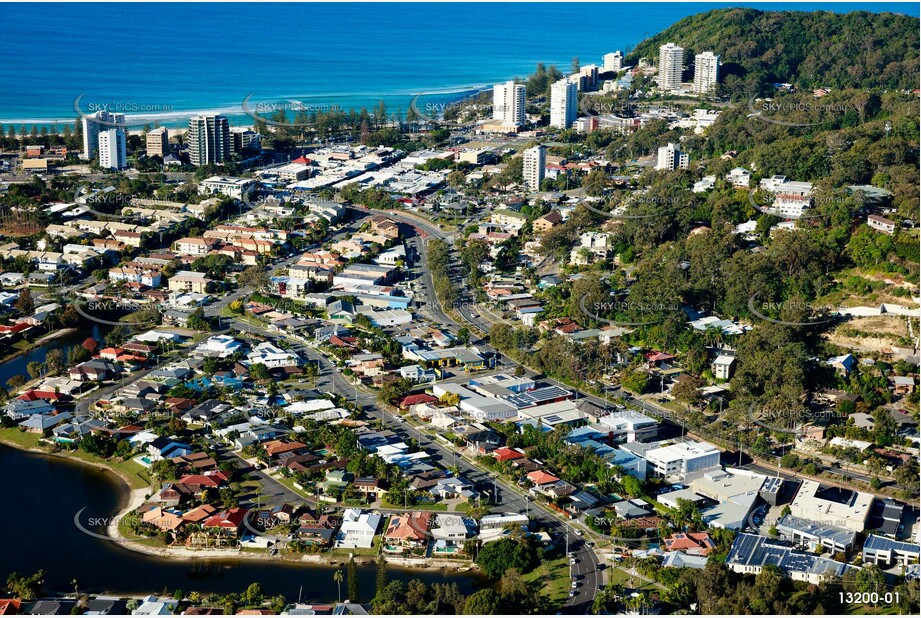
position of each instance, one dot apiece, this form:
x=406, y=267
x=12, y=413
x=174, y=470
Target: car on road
x=577, y=531
x=574, y=585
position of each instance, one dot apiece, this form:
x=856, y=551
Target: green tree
x=259, y=372
x=635, y=382
x=354, y=590
x=381, y=583
x=35, y=369
x=16, y=381
x=483, y=602
x=497, y=557
x=337, y=577
x=255, y=595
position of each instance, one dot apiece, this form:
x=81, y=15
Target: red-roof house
x=505, y=453
x=411, y=400
x=539, y=477
x=228, y=521
x=409, y=529
x=35, y=394
x=696, y=543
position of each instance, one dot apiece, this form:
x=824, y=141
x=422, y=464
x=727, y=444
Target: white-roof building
x=272, y=356
x=358, y=529
x=790, y=197
x=739, y=177
x=218, y=345
x=683, y=458
x=832, y=506
x=629, y=425
x=225, y=185
x=153, y=606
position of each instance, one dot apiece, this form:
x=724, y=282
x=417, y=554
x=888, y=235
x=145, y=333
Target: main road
x=510, y=499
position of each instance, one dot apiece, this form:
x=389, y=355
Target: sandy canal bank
x=134, y=498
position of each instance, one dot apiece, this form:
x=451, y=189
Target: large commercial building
x=508, y=103
x=612, y=62
x=533, y=168
x=832, y=506
x=671, y=63
x=682, y=459
x=209, y=139
x=158, y=142
x=564, y=99
x=113, y=153
x=706, y=72
x=671, y=158
x=100, y=121
x=882, y=551
x=225, y=185
x=750, y=553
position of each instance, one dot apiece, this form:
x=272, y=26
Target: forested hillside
x=856, y=50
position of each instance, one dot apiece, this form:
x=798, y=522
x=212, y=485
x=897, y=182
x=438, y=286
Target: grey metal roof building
x=880, y=550
x=750, y=553
x=802, y=530
x=538, y=396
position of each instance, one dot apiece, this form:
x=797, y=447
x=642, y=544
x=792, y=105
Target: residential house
x=357, y=529
x=693, y=543
x=409, y=530
x=227, y=522
x=93, y=370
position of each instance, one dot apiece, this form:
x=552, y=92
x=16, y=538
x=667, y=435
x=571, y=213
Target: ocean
x=166, y=61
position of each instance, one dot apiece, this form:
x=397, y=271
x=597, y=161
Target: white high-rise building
x=564, y=100
x=113, y=153
x=612, y=62
x=706, y=72
x=671, y=62
x=508, y=103
x=670, y=158
x=209, y=139
x=92, y=125
x=534, y=166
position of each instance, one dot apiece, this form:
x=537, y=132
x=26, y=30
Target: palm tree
x=76, y=586
x=337, y=577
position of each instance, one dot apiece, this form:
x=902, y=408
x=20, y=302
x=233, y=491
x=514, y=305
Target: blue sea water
x=167, y=60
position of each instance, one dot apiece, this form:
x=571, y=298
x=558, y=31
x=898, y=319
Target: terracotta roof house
x=409, y=529
x=278, y=449
x=199, y=514
x=164, y=520
x=694, y=543
x=505, y=453
x=539, y=477
x=228, y=522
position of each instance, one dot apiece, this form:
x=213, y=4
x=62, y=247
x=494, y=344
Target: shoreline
x=173, y=118
x=133, y=498
x=37, y=343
